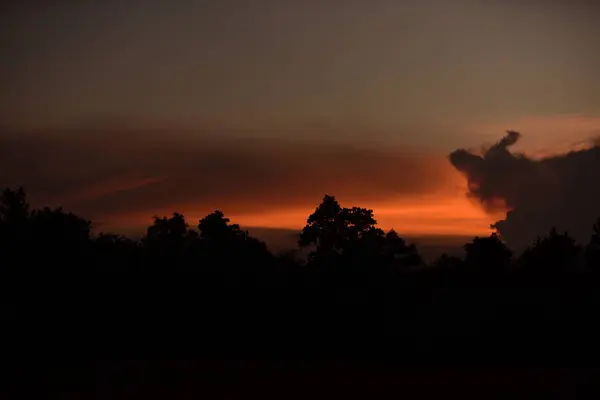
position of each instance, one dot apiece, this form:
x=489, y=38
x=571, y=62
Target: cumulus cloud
x=559, y=191
x=110, y=172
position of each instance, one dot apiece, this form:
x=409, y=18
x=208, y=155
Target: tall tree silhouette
x=341, y=235
x=350, y=235
x=324, y=227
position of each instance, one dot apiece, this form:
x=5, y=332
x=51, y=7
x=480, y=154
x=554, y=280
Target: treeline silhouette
x=212, y=290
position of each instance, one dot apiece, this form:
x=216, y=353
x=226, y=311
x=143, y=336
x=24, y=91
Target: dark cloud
x=561, y=191
x=109, y=172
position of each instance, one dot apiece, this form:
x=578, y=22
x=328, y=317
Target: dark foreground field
x=223, y=379
x=142, y=338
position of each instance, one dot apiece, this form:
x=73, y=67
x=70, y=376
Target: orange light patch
x=445, y=212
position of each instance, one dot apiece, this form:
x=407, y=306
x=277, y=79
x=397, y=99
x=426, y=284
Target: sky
x=123, y=110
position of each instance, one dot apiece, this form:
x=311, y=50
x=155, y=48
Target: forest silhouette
x=213, y=290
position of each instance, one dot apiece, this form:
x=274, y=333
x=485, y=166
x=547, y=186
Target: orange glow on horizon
x=435, y=214
x=450, y=215
x=445, y=210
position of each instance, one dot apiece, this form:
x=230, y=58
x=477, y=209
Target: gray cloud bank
x=561, y=191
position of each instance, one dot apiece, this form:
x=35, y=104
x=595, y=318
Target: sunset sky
x=120, y=110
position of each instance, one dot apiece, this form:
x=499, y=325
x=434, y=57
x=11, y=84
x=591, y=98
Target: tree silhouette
x=217, y=287
x=487, y=255
x=14, y=209
x=448, y=263
x=168, y=240
x=398, y=252
x=324, y=227
x=216, y=228
x=58, y=226
x=62, y=239
x=39, y=237
x=333, y=229
x=554, y=253
x=14, y=215
x=592, y=251
x=350, y=235
x=116, y=252
x=14, y=218
x=231, y=248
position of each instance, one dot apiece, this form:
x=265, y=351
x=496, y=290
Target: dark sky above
x=280, y=64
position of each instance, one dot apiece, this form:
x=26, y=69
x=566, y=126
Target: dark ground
x=222, y=379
